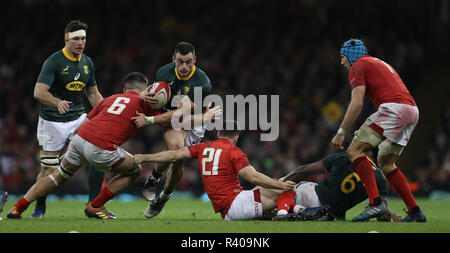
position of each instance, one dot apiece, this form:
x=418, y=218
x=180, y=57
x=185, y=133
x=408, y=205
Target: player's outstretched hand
x=139, y=119
x=148, y=96
x=212, y=113
x=63, y=106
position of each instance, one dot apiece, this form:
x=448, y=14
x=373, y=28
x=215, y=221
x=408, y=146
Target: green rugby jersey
x=184, y=86
x=343, y=188
x=67, y=77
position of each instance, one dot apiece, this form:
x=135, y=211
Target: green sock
x=95, y=181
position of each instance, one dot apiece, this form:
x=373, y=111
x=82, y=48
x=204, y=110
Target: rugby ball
x=162, y=93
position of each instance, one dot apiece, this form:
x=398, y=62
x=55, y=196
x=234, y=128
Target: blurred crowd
x=288, y=48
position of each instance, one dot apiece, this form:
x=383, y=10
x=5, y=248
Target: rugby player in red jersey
x=388, y=129
x=221, y=163
x=97, y=141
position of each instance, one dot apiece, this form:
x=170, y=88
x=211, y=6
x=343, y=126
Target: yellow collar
x=68, y=56
x=185, y=78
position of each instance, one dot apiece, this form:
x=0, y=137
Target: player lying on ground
x=221, y=162
x=98, y=142
x=341, y=190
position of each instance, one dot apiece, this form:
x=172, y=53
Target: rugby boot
x=372, y=212
x=418, y=216
x=98, y=213
x=150, y=185
x=155, y=207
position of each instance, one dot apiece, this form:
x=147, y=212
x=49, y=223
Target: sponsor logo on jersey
x=76, y=76
x=86, y=69
x=75, y=86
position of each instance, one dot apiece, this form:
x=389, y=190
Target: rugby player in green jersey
x=184, y=77
x=66, y=76
x=341, y=190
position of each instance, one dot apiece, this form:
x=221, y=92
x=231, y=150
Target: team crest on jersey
x=65, y=71
x=86, y=69
x=186, y=90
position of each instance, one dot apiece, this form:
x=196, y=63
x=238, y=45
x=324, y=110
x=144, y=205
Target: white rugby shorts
x=394, y=121
x=194, y=136
x=306, y=194
x=81, y=151
x=53, y=136
x=246, y=206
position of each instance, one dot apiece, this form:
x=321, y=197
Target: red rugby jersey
x=383, y=84
x=220, y=162
x=110, y=123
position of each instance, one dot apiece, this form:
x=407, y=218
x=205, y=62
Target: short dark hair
x=184, y=48
x=75, y=25
x=230, y=133
x=135, y=80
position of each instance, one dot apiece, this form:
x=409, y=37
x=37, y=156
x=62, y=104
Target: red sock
x=21, y=205
x=400, y=185
x=285, y=201
x=102, y=198
x=365, y=172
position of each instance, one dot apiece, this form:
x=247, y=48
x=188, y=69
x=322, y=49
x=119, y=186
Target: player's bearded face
x=184, y=63
x=344, y=62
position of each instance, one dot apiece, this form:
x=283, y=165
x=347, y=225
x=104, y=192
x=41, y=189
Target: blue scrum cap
x=353, y=49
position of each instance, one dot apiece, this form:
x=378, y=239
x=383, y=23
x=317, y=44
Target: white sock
x=282, y=212
x=298, y=209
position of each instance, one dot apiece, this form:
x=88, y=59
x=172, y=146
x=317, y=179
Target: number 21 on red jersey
x=211, y=155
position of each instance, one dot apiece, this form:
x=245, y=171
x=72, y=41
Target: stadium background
x=287, y=48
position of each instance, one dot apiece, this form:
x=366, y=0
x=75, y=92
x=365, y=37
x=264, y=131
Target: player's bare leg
x=398, y=180
x=174, y=140
x=128, y=173
x=173, y=176
x=365, y=140
x=49, y=163
x=42, y=187
x=150, y=185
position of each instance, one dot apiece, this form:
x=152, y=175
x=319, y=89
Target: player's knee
x=135, y=171
x=49, y=161
x=57, y=178
x=65, y=173
x=389, y=149
x=366, y=136
x=354, y=151
x=175, y=145
x=175, y=142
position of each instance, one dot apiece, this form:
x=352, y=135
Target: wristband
x=341, y=131
x=150, y=120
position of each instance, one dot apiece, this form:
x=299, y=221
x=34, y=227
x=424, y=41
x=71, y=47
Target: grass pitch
x=195, y=216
